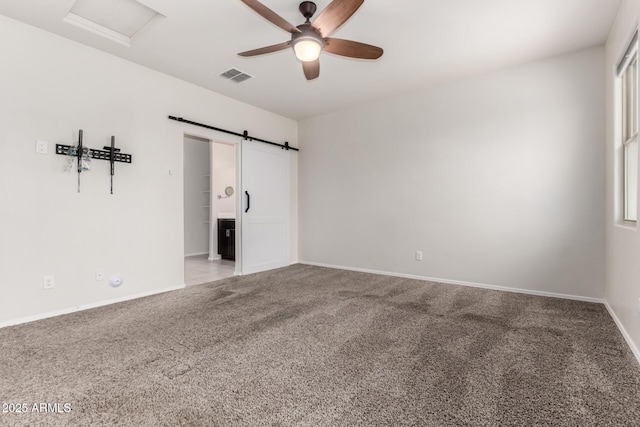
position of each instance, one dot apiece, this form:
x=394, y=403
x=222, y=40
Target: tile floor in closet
x=198, y=269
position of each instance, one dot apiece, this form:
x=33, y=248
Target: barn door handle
x=248, y=201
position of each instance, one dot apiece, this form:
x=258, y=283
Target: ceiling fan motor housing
x=307, y=32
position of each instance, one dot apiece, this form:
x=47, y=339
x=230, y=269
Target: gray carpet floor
x=310, y=346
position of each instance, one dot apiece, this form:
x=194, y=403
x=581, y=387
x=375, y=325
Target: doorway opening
x=210, y=193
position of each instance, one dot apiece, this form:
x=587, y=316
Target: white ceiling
x=426, y=42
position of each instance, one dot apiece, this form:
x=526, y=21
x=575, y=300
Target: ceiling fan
x=308, y=40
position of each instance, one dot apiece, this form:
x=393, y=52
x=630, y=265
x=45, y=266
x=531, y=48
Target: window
x=628, y=74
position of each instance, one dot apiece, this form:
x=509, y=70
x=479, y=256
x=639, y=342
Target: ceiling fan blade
x=271, y=16
x=311, y=69
x=266, y=49
x=334, y=15
x=352, y=49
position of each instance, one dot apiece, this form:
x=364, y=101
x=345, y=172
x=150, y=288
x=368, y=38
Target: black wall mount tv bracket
x=110, y=153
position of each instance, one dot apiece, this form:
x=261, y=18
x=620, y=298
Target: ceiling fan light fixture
x=307, y=44
x=307, y=50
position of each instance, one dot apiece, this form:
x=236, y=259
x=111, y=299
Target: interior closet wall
x=223, y=171
x=223, y=160
x=196, y=195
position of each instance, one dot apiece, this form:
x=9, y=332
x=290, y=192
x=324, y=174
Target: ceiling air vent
x=235, y=75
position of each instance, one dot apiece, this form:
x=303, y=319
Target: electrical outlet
x=48, y=282
x=418, y=255
x=42, y=147
x=100, y=274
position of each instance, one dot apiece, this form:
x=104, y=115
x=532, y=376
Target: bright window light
x=628, y=74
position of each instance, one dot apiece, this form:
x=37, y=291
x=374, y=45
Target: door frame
x=237, y=144
x=213, y=136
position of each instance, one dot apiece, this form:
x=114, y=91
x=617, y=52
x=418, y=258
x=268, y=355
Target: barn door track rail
x=244, y=134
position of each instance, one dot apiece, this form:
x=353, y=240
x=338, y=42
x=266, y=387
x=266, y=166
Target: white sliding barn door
x=264, y=207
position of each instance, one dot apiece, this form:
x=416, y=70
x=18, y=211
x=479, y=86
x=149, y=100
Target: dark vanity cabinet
x=227, y=238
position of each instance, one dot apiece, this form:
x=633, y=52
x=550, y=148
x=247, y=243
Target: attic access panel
x=118, y=20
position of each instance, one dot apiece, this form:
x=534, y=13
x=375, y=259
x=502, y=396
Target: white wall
x=623, y=241
x=498, y=179
x=197, y=181
x=51, y=87
x=224, y=175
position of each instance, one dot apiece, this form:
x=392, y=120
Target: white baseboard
x=196, y=254
x=461, y=283
x=68, y=310
x=215, y=258
x=623, y=331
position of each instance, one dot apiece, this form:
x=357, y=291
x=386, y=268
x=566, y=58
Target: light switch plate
x=42, y=147
x=48, y=282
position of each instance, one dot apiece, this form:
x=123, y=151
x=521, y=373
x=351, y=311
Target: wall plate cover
x=48, y=282
x=42, y=147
